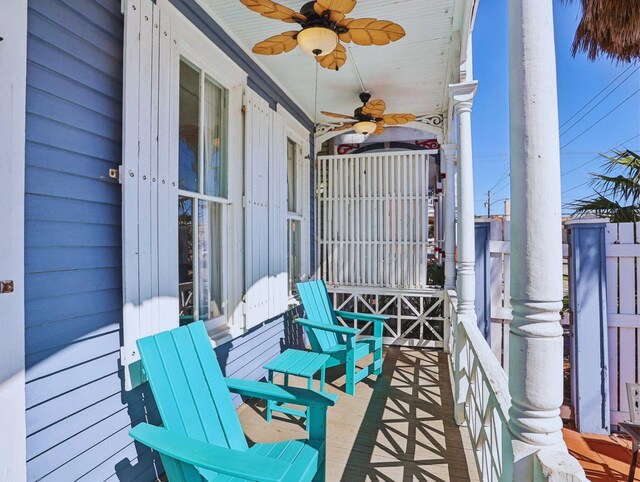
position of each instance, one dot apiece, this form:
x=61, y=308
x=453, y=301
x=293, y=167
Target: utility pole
x=488, y=203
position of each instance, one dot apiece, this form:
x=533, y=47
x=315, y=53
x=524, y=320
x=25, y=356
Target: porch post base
x=545, y=464
x=558, y=466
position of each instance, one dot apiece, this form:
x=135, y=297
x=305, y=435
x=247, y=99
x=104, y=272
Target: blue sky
x=579, y=80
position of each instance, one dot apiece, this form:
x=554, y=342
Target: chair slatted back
x=317, y=305
x=188, y=386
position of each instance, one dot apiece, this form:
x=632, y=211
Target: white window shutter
x=278, y=269
x=149, y=181
x=306, y=198
x=257, y=127
x=266, y=292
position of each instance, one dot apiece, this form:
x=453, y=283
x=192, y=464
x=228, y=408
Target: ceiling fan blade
x=285, y=42
x=334, y=16
x=379, y=130
x=270, y=9
x=397, y=119
x=374, y=108
x=337, y=8
x=337, y=116
x=342, y=6
x=343, y=127
x=370, y=31
x=335, y=59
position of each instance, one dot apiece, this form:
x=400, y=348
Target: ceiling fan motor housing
x=308, y=11
x=313, y=19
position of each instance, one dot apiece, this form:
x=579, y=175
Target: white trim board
x=221, y=23
x=13, y=78
x=196, y=47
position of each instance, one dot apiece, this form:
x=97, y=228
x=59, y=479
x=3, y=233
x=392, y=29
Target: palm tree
x=617, y=190
x=610, y=28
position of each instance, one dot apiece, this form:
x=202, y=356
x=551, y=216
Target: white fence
x=373, y=220
x=623, y=313
x=500, y=289
x=500, y=268
x=481, y=396
x=622, y=246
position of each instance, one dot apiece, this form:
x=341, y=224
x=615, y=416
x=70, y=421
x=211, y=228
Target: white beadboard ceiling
x=411, y=75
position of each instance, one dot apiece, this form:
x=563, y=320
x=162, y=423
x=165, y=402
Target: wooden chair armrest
x=278, y=393
x=343, y=330
x=211, y=457
x=347, y=315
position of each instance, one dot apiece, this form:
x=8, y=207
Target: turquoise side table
x=297, y=363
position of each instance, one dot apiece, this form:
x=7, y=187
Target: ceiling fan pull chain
x=315, y=106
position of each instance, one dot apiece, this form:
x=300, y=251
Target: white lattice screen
x=373, y=219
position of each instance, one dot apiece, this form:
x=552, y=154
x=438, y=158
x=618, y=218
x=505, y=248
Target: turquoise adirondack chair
x=202, y=438
x=327, y=335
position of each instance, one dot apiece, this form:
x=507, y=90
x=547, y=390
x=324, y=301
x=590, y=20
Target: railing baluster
x=481, y=396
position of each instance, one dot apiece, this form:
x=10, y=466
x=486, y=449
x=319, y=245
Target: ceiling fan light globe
x=314, y=39
x=365, y=127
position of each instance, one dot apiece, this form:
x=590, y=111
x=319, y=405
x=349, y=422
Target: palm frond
x=603, y=207
x=617, y=190
x=608, y=28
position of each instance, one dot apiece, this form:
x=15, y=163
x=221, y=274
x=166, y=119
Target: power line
x=600, y=120
x=599, y=156
x=598, y=103
x=502, y=189
x=596, y=96
x=506, y=172
x=574, y=187
x=505, y=156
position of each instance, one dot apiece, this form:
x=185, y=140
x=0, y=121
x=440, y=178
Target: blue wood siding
x=78, y=415
x=244, y=356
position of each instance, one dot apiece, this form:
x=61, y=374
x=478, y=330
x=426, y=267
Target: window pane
x=215, y=168
x=291, y=175
x=209, y=260
x=295, y=254
x=185, y=258
x=189, y=127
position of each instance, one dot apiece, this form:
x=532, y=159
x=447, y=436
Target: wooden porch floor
x=398, y=428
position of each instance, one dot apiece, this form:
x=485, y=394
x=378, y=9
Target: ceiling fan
x=370, y=118
x=324, y=27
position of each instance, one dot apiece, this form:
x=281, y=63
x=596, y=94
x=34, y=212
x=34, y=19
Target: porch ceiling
x=411, y=75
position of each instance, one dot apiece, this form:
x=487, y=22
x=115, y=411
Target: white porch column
x=462, y=95
x=535, y=338
x=447, y=152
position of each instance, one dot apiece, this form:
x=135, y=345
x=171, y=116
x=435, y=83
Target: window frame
x=213, y=64
x=205, y=74
x=295, y=217
x=297, y=133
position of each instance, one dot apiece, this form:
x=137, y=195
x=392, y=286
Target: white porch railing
x=415, y=316
x=481, y=394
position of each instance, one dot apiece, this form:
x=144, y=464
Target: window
x=294, y=214
x=202, y=199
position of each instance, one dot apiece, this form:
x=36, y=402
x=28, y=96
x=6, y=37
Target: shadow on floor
x=397, y=428
x=604, y=458
x=408, y=432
